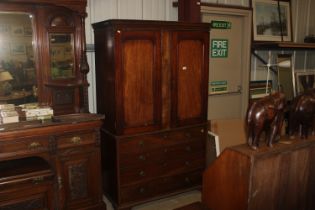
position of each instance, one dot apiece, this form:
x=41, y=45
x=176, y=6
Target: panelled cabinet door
x=139, y=76
x=78, y=178
x=189, y=77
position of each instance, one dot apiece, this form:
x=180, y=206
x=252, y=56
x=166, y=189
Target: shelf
x=282, y=45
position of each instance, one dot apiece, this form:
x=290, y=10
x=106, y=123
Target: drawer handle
x=141, y=143
x=188, y=135
x=188, y=148
x=202, y=130
x=76, y=140
x=38, y=180
x=187, y=180
x=141, y=190
x=141, y=173
x=187, y=163
x=142, y=157
x=34, y=145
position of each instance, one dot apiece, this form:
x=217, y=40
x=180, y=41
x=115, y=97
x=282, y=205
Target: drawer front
x=141, y=159
x=76, y=139
x=185, y=150
x=135, y=150
x=184, y=135
x=164, y=167
x=160, y=186
x=24, y=146
x=140, y=144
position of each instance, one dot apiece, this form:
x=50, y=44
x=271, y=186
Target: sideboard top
x=55, y=121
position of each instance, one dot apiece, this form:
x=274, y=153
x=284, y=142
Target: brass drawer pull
x=188, y=148
x=188, y=135
x=141, y=143
x=141, y=173
x=142, y=157
x=34, y=145
x=141, y=190
x=76, y=140
x=187, y=163
x=38, y=180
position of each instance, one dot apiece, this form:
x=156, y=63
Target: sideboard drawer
x=75, y=139
x=24, y=146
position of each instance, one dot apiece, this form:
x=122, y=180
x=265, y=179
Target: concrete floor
x=166, y=204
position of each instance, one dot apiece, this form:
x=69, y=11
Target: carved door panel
x=139, y=86
x=189, y=77
x=78, y=178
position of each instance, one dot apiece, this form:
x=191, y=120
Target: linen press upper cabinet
x=152, y=85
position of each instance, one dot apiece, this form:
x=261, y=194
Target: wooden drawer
x=128, y=160
x=26, y=184
x=185, y=150
x=148, y=142
x=160, y=186
x=75, y=139
x=164, y=167
x=139, y=144
x=24, y=146
x=184, y=135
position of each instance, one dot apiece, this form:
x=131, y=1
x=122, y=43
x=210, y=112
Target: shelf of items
x=282, y=45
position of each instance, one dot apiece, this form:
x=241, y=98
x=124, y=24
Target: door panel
x=189, y=77
x=141, y=83
x=234, y=68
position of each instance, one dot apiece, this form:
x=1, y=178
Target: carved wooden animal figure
x=266, y=115
x=302, y=113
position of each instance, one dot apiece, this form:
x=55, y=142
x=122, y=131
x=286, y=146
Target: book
x=7, y=107
x=8, y=116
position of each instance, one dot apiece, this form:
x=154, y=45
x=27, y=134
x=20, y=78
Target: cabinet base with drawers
x=53, y=164
x=144, y=167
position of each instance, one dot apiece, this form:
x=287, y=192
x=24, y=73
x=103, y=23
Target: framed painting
x=304, y=80
x=271, y=20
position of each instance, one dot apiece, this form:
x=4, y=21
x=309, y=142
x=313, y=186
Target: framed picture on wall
x=17, y=30
x=17, y=49
x=304, y=79
x=271, y=20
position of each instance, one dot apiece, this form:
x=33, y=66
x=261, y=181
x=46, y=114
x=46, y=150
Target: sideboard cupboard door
x=139, y=72
x=78, y=178
x=190, y=77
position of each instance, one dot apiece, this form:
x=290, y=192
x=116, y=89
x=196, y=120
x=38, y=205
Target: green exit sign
x=219, y=48
x=219, y=24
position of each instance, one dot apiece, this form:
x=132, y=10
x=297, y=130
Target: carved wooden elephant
x=302, y=113
x=265, y=114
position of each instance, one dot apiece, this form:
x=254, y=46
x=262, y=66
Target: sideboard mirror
x=18, y=83
x=42, y=54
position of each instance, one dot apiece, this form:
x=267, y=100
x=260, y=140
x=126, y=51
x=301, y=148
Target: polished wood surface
x=70, y=147
x=152, y=85
x=280, y=178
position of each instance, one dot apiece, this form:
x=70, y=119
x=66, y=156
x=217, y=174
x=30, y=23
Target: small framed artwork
x=4, y=48
x=4, y=29
x=28, y=31
x=271, y=20
x=17, y=30
x=304, y=80
x=17, y=49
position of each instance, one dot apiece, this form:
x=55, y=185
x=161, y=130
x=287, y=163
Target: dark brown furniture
x=52, y=164
x=152, y=83
x=279, y=178
x=47, y=54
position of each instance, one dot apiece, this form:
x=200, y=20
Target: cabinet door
x=79, y=179
x=139, y=81
x=189, y=59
